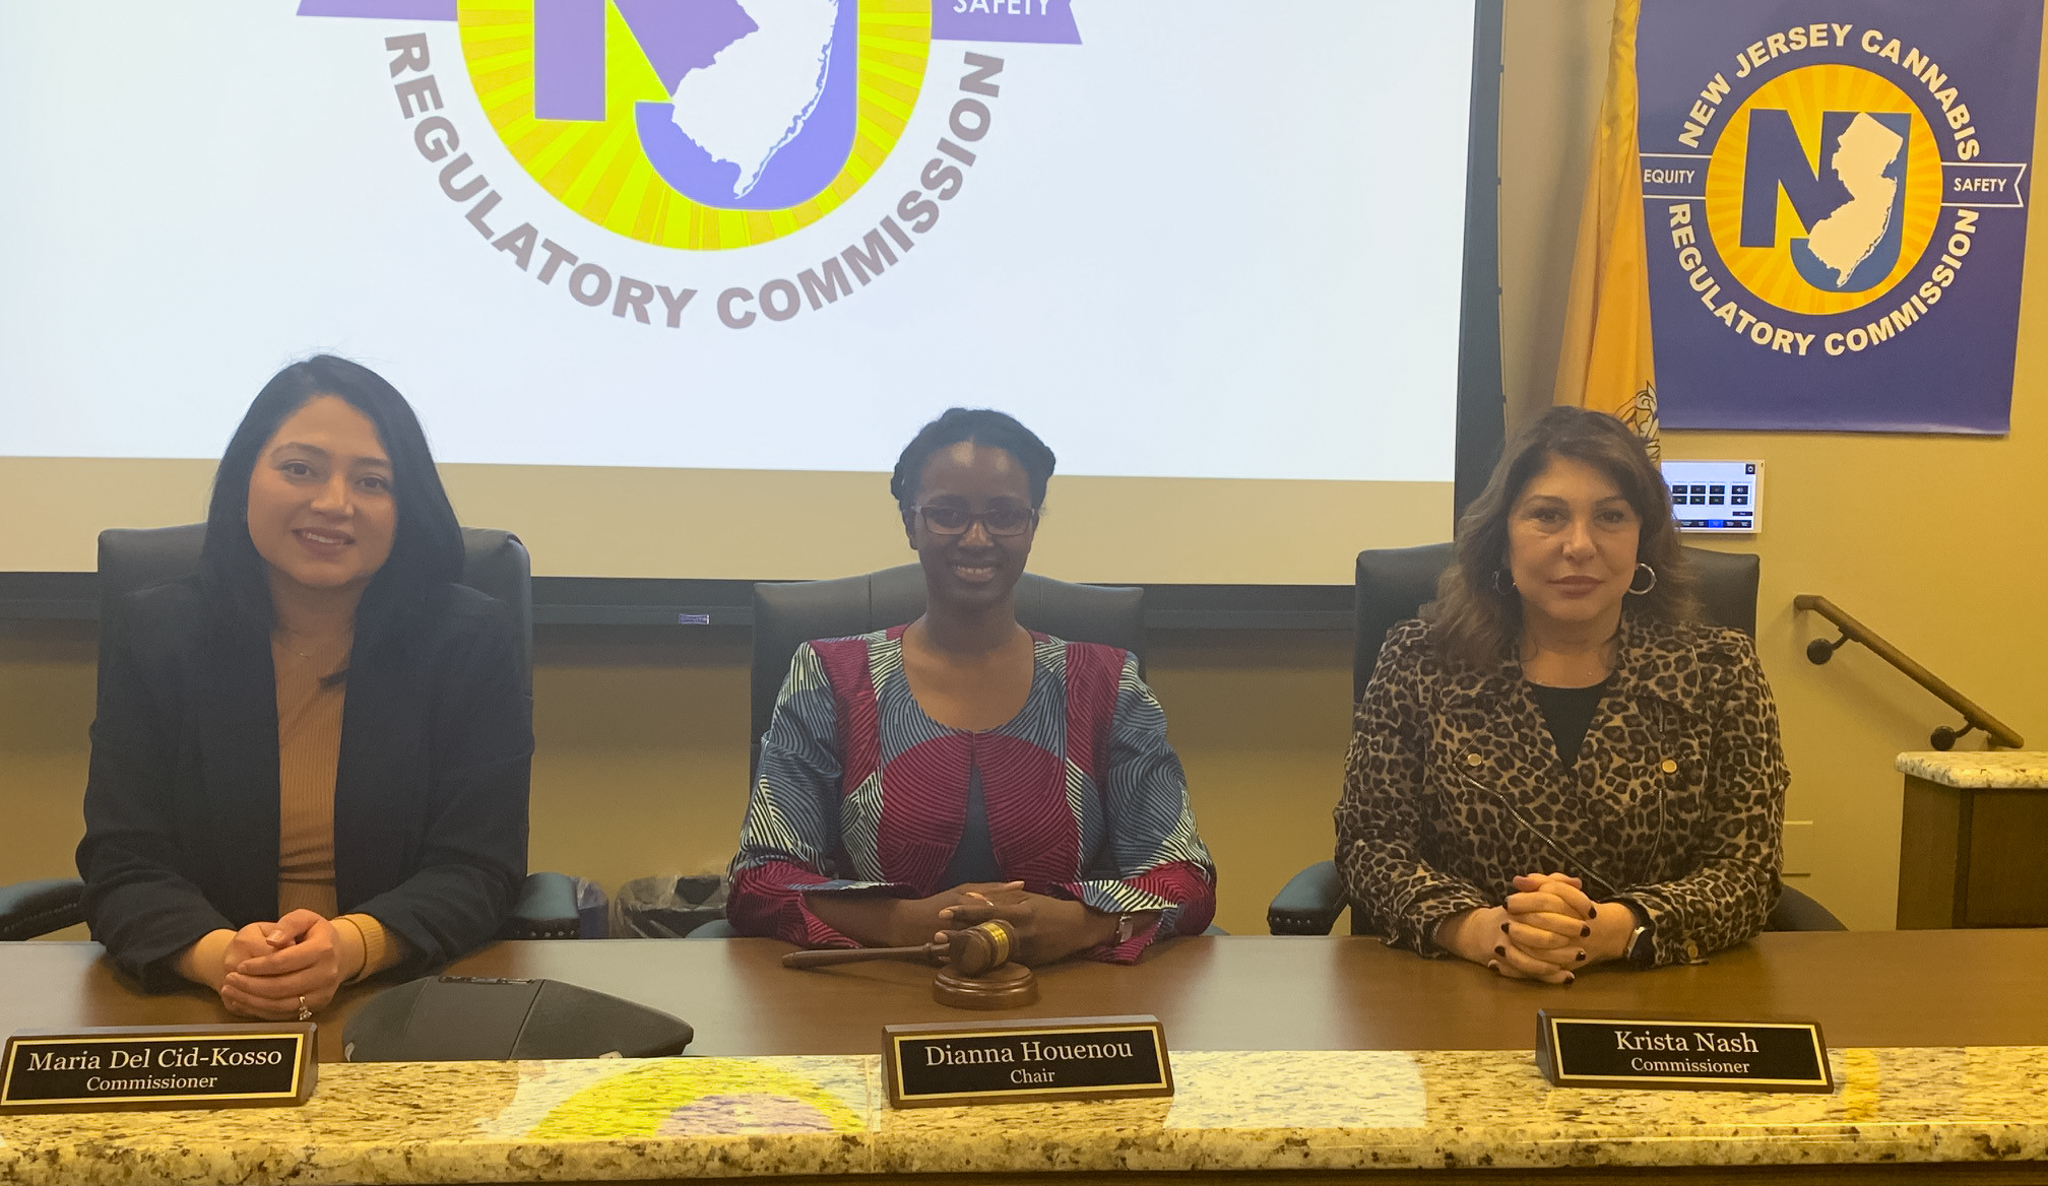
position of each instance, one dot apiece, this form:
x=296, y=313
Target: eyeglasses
x=1004, y=521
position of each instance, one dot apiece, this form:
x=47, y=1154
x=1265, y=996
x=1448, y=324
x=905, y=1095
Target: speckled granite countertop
x=1979, y=769
x=713, y=1117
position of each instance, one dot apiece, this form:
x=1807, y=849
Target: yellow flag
x=1606, y=361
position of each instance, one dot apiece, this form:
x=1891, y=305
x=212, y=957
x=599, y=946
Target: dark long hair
x=1479, y=623
x=426, y=550
x=981, y=426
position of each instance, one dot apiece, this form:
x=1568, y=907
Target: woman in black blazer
x=310, y=762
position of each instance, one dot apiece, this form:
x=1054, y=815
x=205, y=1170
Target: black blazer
x=181, y=805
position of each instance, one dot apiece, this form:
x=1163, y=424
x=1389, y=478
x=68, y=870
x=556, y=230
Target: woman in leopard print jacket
x=1563, y=766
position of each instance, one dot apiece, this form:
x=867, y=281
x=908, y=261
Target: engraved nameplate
x=171, y=1066
x=1681, y=1054
x=1064, y=1058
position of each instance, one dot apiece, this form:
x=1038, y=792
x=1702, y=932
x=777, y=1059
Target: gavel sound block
x=975, y=971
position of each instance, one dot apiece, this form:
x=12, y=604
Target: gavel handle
x=855, y=955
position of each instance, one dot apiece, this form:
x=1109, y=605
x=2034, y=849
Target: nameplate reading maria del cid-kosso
x=165, y=1066
x=1058, y=1058
x=1681, y=1053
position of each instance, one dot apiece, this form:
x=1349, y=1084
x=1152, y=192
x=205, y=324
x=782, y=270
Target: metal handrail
x=1820, y=650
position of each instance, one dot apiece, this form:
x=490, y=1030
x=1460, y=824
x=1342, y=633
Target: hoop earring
x=1507, y=592
x=1642, y=568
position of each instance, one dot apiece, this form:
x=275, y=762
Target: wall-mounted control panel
x=1716, y=497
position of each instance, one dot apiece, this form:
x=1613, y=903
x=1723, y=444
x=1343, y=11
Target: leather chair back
x=789, y=614
x=493, y=562
x=1395, y=583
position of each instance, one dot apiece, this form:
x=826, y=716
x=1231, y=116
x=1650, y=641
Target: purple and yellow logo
x=698, y=125
x=707, y=124
x=1835, y=210
x=1824, y=189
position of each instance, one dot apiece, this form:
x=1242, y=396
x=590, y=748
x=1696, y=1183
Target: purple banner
x=1044, y=22
x=1835, y=200
x=397, y=10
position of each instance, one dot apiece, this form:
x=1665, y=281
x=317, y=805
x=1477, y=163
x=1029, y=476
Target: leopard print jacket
x=1453, y=787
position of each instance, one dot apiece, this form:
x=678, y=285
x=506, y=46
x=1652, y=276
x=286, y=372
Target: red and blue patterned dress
x=859, y=790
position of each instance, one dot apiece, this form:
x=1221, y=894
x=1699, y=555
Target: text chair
x=493, y=563
x=1393, y=584
x=788, y=614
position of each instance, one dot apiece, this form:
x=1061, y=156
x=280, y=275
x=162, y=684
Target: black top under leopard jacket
x=1454, y=787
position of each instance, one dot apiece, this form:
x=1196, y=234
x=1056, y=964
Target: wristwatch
x=1642, y=941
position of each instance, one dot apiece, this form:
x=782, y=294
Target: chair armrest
x=1797, y=912
x=546, y=909
x=31, y=908
x=1309, y=904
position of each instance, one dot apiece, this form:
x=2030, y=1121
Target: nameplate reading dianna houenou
x=187, y=1066
x=1062, y=1058
x=1667, y=1053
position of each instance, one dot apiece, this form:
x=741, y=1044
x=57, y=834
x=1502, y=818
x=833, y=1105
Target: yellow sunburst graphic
x=599, y=170
x=1804, y=95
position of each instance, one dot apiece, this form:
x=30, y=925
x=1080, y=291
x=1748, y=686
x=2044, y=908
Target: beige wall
x=642, y=733
x=711, y=524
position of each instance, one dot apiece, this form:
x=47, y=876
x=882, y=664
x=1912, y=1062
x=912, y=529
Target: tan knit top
x=309, y=755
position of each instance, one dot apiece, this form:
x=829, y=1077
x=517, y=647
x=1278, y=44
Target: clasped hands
x=1547, y=930
x=1048, y=929
x=270, y=970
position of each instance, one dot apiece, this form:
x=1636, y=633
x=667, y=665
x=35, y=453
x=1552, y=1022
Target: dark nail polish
x=1569, y=978
x=1593, y=912
x=1503, y=928
x=1585, y=931
x=1500, y=951
x=1582, y=957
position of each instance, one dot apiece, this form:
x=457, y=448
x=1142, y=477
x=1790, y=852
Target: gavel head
x=982, y=949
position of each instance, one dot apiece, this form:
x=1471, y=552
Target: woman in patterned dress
x=1562, y=766
x=962, y=768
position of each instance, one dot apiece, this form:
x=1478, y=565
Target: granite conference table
x=1308, y=1058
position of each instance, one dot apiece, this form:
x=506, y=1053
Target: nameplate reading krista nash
x=1680, y=1053
x=1056, y=1058
x=166, y=1066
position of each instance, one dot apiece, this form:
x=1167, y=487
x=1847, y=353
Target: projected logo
x=1809, y=205
x=701, y=124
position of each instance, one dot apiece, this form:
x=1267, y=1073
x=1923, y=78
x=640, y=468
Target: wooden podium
x=1974, y=830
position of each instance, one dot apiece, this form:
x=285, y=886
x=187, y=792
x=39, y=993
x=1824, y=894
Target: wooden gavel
x=976, y=951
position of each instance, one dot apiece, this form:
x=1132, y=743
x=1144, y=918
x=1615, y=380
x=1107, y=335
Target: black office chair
x=493, y=562
x=789, y=614
x=1393, y=586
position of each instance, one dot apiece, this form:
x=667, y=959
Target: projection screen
x=671, y=282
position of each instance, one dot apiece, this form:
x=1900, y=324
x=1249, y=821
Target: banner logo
x=1835, y=210
x=1824, y=189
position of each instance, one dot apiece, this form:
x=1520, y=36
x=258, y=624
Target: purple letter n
x=568, y=59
